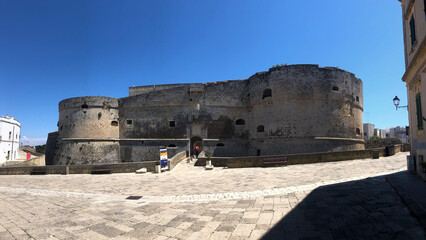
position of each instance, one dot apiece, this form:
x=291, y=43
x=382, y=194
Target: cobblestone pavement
x=341, y=200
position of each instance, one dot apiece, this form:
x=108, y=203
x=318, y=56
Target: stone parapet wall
x=258, y=161
x=87, y=168
x=80, y=169
x=172, y=162
x=38, y=161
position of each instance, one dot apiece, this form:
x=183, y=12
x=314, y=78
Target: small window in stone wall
x=357, y=98
x=335, y=88
x=220, y=145
x=172, y=123
x=240, y=122
x=358, y=132
x=129, y=122
x=114, y=123
x=257, y=152
x=84, y=106
x=267, y=93
x=172, y=145
x=260, y=128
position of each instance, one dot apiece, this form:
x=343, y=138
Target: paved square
x=340, y=200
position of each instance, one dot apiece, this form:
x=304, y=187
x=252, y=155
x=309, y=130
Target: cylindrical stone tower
x=305, y=108
x=88, y=131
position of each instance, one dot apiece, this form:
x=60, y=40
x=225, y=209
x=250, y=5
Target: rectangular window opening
x=172, y=123
x=412, y=31
x=424, y=7
x=419, y=112
x=129, y=122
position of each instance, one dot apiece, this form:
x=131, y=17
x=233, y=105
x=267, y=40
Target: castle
x=286, y=110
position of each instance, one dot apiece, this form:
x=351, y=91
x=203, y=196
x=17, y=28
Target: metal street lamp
x=396, y=103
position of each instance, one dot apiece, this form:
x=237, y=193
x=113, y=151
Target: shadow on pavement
x=363, y=209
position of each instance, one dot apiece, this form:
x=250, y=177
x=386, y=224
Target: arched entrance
x=196, y=141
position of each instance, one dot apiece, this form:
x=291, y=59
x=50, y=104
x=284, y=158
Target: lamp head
x=396, y=101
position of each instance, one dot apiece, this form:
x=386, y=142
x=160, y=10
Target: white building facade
x=10, y=133
x=368, y=130
x=399, y=132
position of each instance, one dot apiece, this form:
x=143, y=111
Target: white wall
x=10, y=133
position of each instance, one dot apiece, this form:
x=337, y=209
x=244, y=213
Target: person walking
x=197, y=151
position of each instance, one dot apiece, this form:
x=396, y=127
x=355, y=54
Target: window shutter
x=419, y=112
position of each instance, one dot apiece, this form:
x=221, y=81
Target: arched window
x=114, y=123
x=172, y=145
x=220, y=145
x=240, y=122
x=358, y=132
x=357, y=98
x=260, y=128
x=267, y=93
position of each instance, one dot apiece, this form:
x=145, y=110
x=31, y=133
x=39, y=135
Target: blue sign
x=163, y=158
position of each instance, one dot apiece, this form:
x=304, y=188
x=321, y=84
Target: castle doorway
x=196, y=141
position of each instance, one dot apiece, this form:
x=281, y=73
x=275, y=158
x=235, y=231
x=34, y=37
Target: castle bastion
x=287, y=110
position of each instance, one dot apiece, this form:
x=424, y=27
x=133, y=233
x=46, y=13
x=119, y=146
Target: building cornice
x=416, y=63
x=409, y=5
x=12, y=123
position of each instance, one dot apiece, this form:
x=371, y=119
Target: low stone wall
x=80, y=169
x=38, y=161
x=86, y=169
x=258, y=161
x=176, y=159
x=231, y=162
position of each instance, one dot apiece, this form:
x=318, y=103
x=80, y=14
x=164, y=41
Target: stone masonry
x=286, y=110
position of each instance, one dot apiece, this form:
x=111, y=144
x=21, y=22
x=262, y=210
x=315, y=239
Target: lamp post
x=396, y=103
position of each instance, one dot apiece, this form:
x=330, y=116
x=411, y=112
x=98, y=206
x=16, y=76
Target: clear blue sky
x=52, y=50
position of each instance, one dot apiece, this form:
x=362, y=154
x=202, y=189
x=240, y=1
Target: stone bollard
x=209, y=165
x=142, y=170
x=376, y=154
x=157, y=167
x=67, y=169
x=169, y=165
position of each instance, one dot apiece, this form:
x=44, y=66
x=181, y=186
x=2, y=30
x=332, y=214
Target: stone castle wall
x=289, y=109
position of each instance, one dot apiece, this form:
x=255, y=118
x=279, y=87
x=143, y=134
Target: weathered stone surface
x=286, y=110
